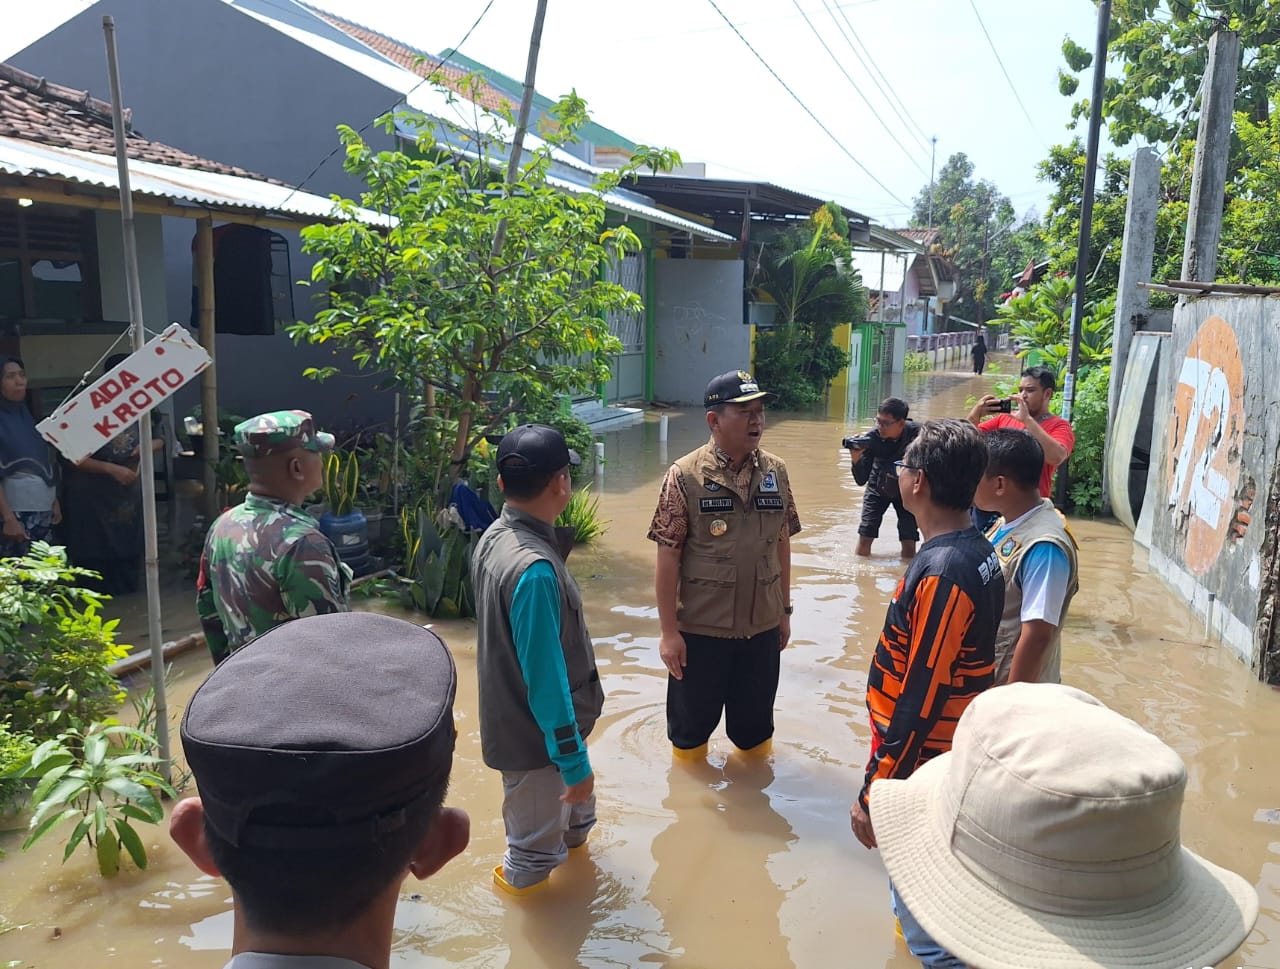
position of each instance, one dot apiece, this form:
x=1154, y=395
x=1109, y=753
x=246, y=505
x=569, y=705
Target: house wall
x=1213, y=461
x=204, y=77
x=912, y=315
x=698, y=326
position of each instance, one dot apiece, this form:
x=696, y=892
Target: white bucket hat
x=1048, y=838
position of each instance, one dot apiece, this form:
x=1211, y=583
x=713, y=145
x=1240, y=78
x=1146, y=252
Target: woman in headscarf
x=28, y=485
x=104, y=509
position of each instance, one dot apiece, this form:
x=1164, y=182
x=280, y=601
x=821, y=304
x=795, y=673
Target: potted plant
x=344, y=523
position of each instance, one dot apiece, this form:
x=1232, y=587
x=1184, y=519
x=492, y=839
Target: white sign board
x=123, y=394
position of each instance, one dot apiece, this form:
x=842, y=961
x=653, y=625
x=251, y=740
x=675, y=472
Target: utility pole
x=933, y=159
x=1086, y=228
x=1086, y=217
x=522, y=119
x=146, y=470
x=1213, y=142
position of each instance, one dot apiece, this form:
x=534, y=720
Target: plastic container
x=350, y=536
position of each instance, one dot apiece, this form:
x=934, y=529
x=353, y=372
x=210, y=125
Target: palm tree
x=814, y=290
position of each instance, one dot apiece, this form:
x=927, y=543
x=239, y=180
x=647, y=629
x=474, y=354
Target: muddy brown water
x=728, y=864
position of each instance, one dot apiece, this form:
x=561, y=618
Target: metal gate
x=627, y=382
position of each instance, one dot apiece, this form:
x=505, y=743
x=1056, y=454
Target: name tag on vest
x=714, y=506
x=769, y=503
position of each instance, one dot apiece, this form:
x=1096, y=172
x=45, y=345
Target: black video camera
x=1005, y=406
x=859, y=443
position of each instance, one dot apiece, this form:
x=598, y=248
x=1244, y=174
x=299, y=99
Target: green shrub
x=1089, y=421
x=90, y=777
x=582, y=514
x=577, y=434
x=916, y=363
x=15, y=748
x=55, y=647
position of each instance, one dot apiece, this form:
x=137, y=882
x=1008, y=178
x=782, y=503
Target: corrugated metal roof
x=628, y=206
x=200, y=188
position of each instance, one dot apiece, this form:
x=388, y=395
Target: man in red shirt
x=1031, y=414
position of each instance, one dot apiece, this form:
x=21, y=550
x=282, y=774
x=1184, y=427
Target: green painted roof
x=597, y=134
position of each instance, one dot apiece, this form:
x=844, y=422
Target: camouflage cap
x=279, y=432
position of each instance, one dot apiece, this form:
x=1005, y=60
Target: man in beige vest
x=1037, y=555
x=723, y=528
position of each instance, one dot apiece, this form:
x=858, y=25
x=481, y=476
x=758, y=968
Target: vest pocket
x=707, y=593
x=766, y=606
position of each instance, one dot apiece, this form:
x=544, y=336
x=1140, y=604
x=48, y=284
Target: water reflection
x=726, y=865
x=711, y=877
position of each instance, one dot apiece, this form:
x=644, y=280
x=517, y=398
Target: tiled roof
x=925, y=237
x=32, y=109
x=422, y=63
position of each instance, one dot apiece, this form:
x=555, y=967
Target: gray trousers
x=541, y=828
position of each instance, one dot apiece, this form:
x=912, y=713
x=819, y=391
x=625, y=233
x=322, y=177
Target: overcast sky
x=673, y=73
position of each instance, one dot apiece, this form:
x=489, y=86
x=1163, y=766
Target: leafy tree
x=806, y=273
x=980, y=233
x=481, y=294
x=1040, y=322
x=1162, y=48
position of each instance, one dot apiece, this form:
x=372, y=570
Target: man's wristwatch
x=788, y=610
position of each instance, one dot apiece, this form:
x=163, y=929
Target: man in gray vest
x=723, y=528
x=1037, y=556
x=540, y=694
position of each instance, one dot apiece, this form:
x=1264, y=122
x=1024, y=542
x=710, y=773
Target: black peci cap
x=323, y=731
x=734, y=387
x=535, y=447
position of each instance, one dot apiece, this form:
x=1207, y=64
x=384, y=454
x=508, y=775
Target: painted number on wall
x=1205, y=446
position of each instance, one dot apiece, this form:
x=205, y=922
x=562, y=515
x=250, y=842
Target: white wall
x=699, y=327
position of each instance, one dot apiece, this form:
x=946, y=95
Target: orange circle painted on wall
x=1206, y=445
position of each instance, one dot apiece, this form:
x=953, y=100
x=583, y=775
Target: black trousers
x=874, y=506
x=736, y=677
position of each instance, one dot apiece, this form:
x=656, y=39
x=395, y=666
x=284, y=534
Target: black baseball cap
x=301, y=741
x=734, y=387
x=535, y=447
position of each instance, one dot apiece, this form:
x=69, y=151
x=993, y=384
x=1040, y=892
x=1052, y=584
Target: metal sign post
x=147, y=468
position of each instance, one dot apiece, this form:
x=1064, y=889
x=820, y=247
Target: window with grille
x=48, y=265
x=628, y=327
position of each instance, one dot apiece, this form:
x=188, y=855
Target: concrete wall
x=699, y=326
x=1212, y=458
x=205, y=77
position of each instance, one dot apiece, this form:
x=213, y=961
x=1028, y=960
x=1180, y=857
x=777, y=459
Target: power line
x=404, y=97
x=854, y=85
x=807, y=110
x=874, y=69
x=1012, y=87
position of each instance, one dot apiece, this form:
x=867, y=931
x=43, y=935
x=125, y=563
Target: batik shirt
x=265, y=562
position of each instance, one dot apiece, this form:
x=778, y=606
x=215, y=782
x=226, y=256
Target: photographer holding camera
x=872, y=456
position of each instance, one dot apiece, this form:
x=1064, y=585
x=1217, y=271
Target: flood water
x=725, y=864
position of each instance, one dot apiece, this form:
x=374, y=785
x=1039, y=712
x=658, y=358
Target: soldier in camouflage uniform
x=266, y=561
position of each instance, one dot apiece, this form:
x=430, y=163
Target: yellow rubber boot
x=690, y=753
x=762, y=749
x=500, y=882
